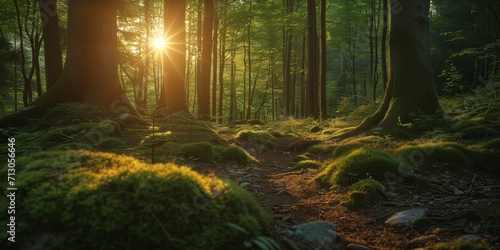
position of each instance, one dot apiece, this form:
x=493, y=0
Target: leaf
x=237, y=228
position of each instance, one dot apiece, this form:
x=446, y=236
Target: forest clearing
x=221, y=124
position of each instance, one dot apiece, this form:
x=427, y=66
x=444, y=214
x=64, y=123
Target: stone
x=317, y=235
x=423, y=240
x=354, y=246
x=470, y=238
x=406, y=217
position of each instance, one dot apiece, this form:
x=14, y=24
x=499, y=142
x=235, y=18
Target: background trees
x=251, y=59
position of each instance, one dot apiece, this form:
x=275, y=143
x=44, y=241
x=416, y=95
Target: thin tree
x=51, y=41
x=312, y=101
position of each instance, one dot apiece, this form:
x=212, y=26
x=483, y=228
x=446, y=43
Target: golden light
x=159, y=43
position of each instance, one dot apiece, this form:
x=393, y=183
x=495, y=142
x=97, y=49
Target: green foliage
x=202, y=151
x=258, y=242
x=158, y=138
x=479, y=132
x=86, y=200
x=364, y=193
x=493, y=144
x=359, y=164
x=345, y=149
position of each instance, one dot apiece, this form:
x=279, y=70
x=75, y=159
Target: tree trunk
x=214, y=58
x=222, y=61
x=173, y=91
x=323, y=111
x=91, y=71
x=206, y=60
x=312, y=61
x=287, y=93
x=410, y=87
x=51, y=41
x=383, y=43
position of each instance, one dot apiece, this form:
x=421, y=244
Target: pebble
x=406, y=217
x=354, y=246
x=422, y=240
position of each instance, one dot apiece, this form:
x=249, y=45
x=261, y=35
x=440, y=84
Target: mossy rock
x=236, y=154
x=436, y=156
x=362, y=194
x=320, y=149
x=201, y=151
x=345, y=149
x=491, y=144
x=95, y=200
x=315, y=129
x=71, y=146
x=260, y=136
x=458, y=245
x=304, y=164
x=112, y=144
x=359, y=164
x=485, y=159
x=479, y=132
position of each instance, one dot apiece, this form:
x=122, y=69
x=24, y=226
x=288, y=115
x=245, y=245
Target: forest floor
x=292, y=198
x=454, y=175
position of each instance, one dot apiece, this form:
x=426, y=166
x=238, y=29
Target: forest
x=250, y=124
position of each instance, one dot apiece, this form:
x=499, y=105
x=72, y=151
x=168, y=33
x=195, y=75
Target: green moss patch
x=479, y=132
x=306, y=164
x=359, y=164
x=437, y=156
x=260, y=136
x=345, y=149
x=158, y=139
x=362, y=194
x=86, y=200
x=491, y=144
x=236, y=154
x=320, y=149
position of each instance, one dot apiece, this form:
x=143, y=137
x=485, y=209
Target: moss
x=491, y=144
x=71, y=146
x=301, y=157
x=461, y=125
x=158, y=139
x=362, y=194
x=202, y=151
x=490, y=213
x=88, y=200
x=260, y=136
x=315, y=129
x=307, y=164
x=437, y=156
x=112, y=144
x=358, y=164
x=235, y=153
x=457, y=245
x=320, y=149
x=345, y=149
x=479, y=132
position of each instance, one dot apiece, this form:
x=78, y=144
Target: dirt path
x=291, y=197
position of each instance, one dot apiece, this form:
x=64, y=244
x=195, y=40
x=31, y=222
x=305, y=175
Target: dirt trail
x=291, y=197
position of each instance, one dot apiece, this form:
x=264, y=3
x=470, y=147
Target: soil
x=292, y=198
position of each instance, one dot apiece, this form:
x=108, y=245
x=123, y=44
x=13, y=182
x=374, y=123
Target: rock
x=318, y=235
x=354, y=246
x=423, y=240
x=279, y=184
x=470, y=238
x=406, y=217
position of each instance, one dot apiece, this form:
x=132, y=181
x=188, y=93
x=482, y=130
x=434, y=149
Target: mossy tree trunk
x=173, y=92
x=410, y=86
x=91, y=70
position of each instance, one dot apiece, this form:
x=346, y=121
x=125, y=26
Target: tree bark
x=51, y=41
x=173, y=92
x=323, y=111
x=91, y=70
x=312, y=61
x=410, y=86
x=383, y=43
x=206, y=60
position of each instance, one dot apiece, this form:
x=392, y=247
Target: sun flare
x=159, y=43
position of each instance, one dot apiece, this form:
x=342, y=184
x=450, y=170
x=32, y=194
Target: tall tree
x=173, y=91
x=287, y=60
x=410, y=87
x=383, y=43
x=51, y=41
x=322, y=77
x=312, y=102
x=206, y=62
x=91, y=70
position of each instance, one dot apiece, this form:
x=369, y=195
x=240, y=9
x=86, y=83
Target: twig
x=472, y=182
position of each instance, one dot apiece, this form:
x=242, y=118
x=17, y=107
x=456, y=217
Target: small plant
x=261, y=242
